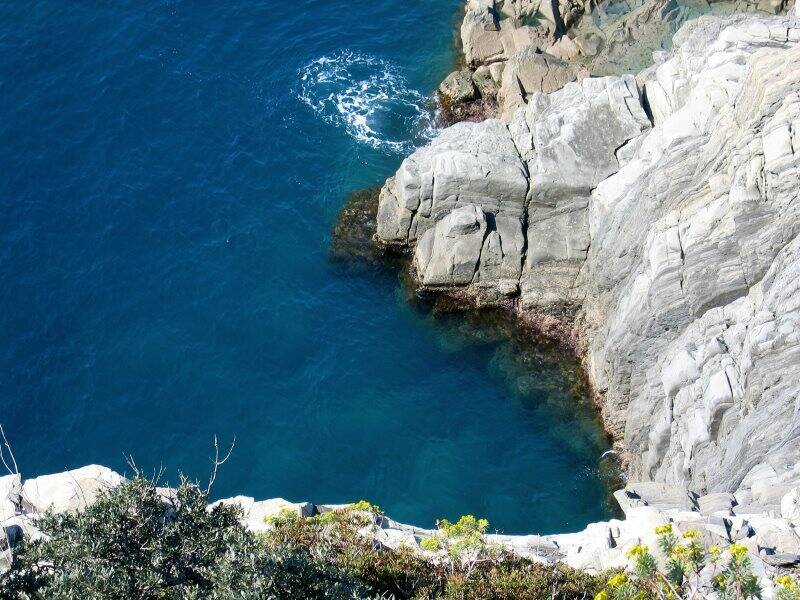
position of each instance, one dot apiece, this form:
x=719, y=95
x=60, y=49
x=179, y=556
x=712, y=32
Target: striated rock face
x=688, y=299
x=468, y=163
x=524, y=186
x=672, y=247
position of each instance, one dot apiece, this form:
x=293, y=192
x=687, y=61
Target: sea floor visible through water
x=171, y=174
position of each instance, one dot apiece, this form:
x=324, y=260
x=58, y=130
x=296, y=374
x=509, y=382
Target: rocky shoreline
x=649, y=222
x=514, y=214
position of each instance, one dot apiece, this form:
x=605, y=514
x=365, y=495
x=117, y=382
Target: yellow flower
x=679, y=550
x=617, y=580
x=786, y=582
x=738, y=551
x=601, y=595
x=691, y=534
x=637, y=551
x=720, y=581
x=431, y=544
x=664, y=529
x=714, y=552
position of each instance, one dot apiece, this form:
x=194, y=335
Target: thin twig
x=218, y=462
x=15, y=471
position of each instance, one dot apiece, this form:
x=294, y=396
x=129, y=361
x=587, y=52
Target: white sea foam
x=369, y=98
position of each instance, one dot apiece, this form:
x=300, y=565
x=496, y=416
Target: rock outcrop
x=530, y=46
x=670, y=244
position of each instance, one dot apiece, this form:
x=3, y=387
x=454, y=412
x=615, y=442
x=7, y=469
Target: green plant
x=431, y=544
x=678, y=575
x=365, y=506
x=786, y=588
x=737, y=582
x=464, y=536
x=135, y=542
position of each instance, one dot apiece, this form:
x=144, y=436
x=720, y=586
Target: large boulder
x=573, y=137
x=458, y=87
x=255, y=515
x=68, y=491
x=448, y=254
x=527, y=72
x=790, y=505
x=10, y=495
x=469, y=163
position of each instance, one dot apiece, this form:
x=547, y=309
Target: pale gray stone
x=458, y=87
x=717, y=502
x=448, y=254
x=528, y=72
x=68, y=491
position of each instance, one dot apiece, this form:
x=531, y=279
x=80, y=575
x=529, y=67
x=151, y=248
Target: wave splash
x=369, y=98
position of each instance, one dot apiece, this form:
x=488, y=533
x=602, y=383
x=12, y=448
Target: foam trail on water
x=369, y=98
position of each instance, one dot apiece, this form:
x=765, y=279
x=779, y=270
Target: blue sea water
x=169, y=175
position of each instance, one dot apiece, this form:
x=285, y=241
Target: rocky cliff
x=657, y=217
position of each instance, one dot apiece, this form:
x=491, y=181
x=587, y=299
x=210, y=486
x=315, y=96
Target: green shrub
x=786, y=588
x=132, y=543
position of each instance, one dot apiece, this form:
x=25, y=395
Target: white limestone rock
x=448, y=254
x=68, y=491
x=576, y=133
x=790, y=505
x=10, y=495
x=691, y=301
x=489, y=165
x=468, y=163
x=255, y=514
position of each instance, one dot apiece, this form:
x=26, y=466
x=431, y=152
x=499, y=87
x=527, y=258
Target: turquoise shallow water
x=169, y=176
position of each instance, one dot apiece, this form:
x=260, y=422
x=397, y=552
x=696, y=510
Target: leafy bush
x=135, y=543
x=786, y=588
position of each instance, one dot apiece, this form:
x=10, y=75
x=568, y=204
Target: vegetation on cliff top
x=136, y=541
x=140, y=541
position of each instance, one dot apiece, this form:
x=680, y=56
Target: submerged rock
x=353, y=232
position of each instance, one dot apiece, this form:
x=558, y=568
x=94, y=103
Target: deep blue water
x=169, y=175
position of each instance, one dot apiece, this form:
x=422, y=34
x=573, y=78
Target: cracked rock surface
x=672, y=243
